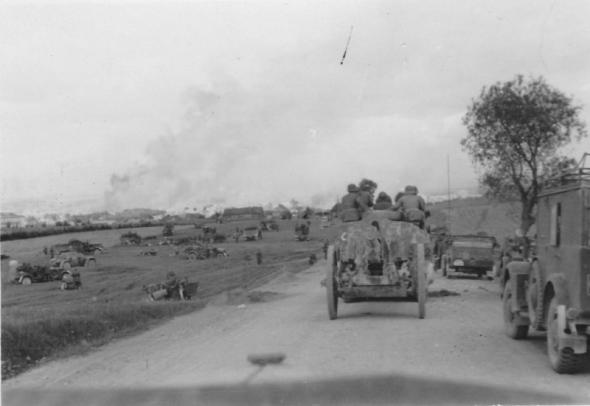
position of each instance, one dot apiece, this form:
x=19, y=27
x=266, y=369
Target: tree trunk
x=526, y=221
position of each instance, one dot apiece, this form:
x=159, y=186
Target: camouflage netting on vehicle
x=362, y=243
x=379, y=240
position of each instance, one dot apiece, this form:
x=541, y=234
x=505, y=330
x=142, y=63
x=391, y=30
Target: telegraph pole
x=449, y=208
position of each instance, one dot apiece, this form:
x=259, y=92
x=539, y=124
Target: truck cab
x=551, y=292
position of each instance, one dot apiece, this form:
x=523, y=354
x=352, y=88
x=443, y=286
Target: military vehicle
x=377, y=259
x=551, y=291
x=68, y=260
x=252, y=233
x=27, y=274
x=468, y=254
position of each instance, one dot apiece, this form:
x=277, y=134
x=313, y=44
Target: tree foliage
x=516, y=130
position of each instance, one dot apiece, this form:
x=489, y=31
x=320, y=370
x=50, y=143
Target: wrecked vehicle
x=68, y=260
x=252, y=233
x=27, y=274
x=171, y=289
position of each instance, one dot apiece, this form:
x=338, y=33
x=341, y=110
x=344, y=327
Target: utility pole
x=449, y=208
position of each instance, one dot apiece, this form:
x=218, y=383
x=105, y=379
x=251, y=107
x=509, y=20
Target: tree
x=516, y=131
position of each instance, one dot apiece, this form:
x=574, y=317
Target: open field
x=39, y=321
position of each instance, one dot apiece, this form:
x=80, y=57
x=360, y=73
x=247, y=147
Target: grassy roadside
x=40, y=322
x=26, y=342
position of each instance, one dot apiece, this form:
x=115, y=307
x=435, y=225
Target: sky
x=113, y=105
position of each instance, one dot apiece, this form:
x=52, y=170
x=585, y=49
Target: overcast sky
x=181, y=104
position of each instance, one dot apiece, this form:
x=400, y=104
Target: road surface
x=373, y=353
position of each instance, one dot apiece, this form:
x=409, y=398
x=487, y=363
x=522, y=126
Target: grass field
x=40, y=321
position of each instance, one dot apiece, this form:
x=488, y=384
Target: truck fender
x=517, y=273
x=556, y=286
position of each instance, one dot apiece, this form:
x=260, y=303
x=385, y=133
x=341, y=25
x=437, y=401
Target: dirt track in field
x=461, y=341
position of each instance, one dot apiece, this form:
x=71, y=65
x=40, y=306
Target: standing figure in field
x=350, y=205
x=367, y=190
x=412, y=206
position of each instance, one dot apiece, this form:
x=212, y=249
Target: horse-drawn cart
x=377, y=260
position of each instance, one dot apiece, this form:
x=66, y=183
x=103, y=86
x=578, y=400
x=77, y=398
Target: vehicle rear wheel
x=331, y=287
x=534, y=297
x=562, y=361
x=512, y=329
x=421, y=280
x=26, y=280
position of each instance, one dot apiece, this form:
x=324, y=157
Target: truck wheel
x=512, y=329
x=331, y=288
x=534, y=297
x=421, y=280
x=562, y=361
x=26, y=280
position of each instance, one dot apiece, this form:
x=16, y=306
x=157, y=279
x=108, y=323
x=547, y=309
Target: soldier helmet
x=352, y=188
x=367, y=184
x=411, y=189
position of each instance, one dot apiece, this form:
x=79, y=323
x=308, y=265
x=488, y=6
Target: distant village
x=145, y=217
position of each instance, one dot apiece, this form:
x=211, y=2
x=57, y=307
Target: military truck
x=551, y=291
x=468, y=254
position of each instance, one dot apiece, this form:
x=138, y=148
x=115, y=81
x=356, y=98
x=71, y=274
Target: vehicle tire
x=91, y=263
x=562, y=361
x=534, y=298
x=512, y=330
x=421, y=280
x=67, y=266
x=331, y=288
x=26, y=280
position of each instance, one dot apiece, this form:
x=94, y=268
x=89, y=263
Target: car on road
x=468, y=254
x=551, y=291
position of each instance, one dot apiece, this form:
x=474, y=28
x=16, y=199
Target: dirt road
x=460, y=344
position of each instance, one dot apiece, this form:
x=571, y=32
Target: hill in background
x=477, y=214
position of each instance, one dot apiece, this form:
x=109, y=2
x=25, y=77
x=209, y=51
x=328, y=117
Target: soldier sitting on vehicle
x=367, y=189
x=383, y=202
x=350, y=205
x=412, y=206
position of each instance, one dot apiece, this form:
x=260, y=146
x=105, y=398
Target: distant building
x=243, y=213
x=11, y=220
